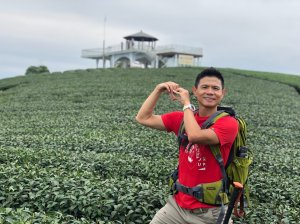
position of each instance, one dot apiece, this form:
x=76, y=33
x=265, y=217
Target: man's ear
x=224, y=92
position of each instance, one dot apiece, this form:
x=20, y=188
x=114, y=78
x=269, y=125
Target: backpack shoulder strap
x=228, y=110
x=215, y=149
x=213, y=118
x=222, y=112
x=181, y=137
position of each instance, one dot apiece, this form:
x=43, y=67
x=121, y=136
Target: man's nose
x=209, y=91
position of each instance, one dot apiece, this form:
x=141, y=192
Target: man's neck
x=206, y=112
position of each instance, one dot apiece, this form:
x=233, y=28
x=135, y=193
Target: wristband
x=189, y=106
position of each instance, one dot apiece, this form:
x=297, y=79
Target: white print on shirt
x=194, y=154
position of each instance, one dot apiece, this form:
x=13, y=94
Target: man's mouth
x=209, y=98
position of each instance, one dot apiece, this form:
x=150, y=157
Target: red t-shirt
x=198, y=165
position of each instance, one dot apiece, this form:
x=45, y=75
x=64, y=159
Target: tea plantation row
x=71, y=151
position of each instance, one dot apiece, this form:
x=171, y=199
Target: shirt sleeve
x=226, y=128
x=172, y=121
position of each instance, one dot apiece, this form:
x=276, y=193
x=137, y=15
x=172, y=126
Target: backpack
x=235, y=172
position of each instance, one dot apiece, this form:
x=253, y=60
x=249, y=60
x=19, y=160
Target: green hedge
x=71, y=151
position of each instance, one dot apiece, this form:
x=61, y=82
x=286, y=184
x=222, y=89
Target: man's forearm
x=145, y=115
x=147, y=108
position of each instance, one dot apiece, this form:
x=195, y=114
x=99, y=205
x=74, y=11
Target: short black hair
x=209, y=72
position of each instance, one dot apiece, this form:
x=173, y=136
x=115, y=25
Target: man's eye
x=216, y=88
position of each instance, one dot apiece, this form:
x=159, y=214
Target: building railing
x=179, y=49
x=142, y=47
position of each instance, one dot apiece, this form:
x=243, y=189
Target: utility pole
x=104, y=42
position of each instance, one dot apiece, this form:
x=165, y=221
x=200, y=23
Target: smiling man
x=197, y=165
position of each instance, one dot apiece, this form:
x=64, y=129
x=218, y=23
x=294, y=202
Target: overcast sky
x=248, y=34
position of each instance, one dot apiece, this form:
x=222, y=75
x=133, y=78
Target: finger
x=176, y=95
x=172, y=97
x=177, y=91
x=167, y=87
x=173, y=85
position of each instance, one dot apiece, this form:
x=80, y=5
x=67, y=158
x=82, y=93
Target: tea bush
x=36, y=70
x=71, y=151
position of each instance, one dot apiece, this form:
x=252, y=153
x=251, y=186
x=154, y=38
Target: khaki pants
x=171, y=213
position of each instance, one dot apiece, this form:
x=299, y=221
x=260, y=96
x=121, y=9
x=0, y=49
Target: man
x=197, y=165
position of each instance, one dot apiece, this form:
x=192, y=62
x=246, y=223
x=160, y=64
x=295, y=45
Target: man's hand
x=182, y=95
x=168, y=87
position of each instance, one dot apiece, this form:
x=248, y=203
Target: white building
x=140, y=50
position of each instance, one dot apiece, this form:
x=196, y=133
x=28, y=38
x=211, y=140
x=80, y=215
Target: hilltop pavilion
x=140, y=50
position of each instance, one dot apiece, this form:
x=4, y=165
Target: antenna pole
x=104, y=42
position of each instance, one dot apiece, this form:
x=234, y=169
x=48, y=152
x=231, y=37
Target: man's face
x=209, y=92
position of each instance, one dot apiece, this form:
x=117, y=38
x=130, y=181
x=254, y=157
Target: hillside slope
x=71, y=151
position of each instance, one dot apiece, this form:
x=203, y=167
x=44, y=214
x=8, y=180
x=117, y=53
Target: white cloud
x=257, y=34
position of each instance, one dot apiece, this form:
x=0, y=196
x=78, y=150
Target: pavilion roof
x=141, y=36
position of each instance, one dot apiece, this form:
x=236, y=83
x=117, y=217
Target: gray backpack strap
x=211, y=120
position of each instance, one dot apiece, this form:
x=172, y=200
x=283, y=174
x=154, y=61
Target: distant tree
x=37, y=70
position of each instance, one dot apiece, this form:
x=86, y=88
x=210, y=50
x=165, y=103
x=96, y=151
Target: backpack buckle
x=197, y=192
